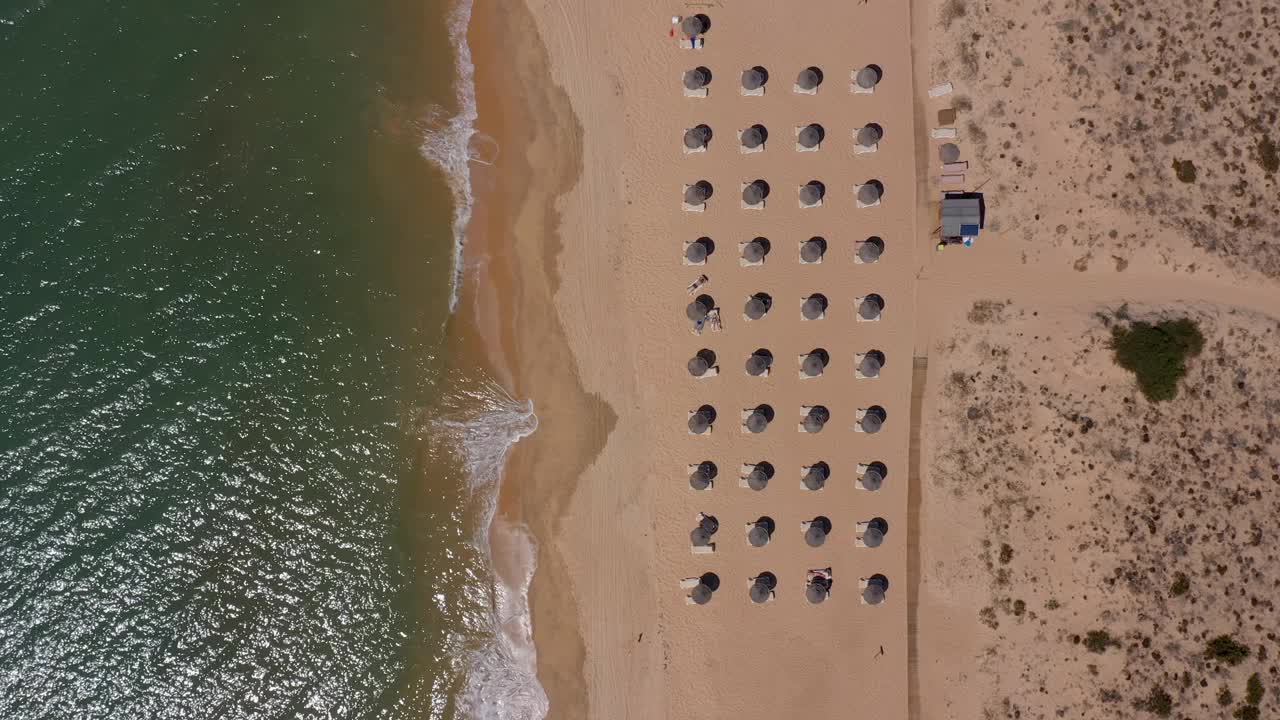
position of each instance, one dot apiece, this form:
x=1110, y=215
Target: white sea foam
x=501, y=669
x=447, y=140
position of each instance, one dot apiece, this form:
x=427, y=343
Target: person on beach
x=697, y=284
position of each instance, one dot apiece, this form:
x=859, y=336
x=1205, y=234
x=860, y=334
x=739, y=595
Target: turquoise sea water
x=237, y=476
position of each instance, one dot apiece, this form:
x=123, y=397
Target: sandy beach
x=579, y=235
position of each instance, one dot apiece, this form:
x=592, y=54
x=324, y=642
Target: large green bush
x=1157, y=354
x=1226, y=649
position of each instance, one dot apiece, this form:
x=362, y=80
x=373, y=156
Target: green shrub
x=1099, y=640
x=1158, y=702
x=1253, y=690
x=1226, y=649
x=1224, y=696
x=1181, y=584
x=1246, y=712
x=1267, y=156
x=1006, y=553
x=1185, y=170
x=1157, y=354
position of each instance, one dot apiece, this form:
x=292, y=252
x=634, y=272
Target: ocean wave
x=500, y=671
x=447, y=140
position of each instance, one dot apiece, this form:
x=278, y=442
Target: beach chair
x=958, y=166
x=689, y=583
x=942, y=133
x=951, y=180
x=938, y=91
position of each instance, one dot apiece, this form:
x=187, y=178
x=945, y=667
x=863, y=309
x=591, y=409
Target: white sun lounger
x=942, y=133
x=938, y=91
x=959, y=166
x=951, y=179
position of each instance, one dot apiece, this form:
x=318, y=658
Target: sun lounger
x=951, y=180
x=804, y=206
x=938, y=91
x=803, y=91
x=753, y=93
x=699, y=93
x=863, y=149
x=942, y=133
x=702, y=549
x=689, y=583
x=960, y=166
x=690, y=151
x=713, y=320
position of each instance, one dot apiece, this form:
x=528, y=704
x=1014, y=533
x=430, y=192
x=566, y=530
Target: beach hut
x=701, y=420
x=762, y=587
x=809, y=137
x=808, y=80
x=758, y=476
x=817, y=590
x=948, y=153
x=811, y=193
x=873, y=476
x=814, y=307
x=754, y=80
x=961, y=217
x=870, y=364
x=815, y=476
x=696, y=138
x=812, y=250
x=753, y=138
x=758, y=363
x=697, y=309
x=870, y=307
x=814, y=362
x=866, y=79
x=754, y=251
x=703, y=475
x=697, y=195
x=760, y=532
x=754, y=194
x=872, y=419
x=869, y=250
x=695, y=25
x=815, y=418
x=867, y=138
x=703, y=363
x=757, y=419
x=816, y=531
x=869, y=193
x=757, y=306
x=874, y=589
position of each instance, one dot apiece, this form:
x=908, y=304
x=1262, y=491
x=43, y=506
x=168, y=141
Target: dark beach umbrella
x=816, y=478
x=701, y=594
x=758, y=363
x=869, y=135
x=709, y=524
x=870, y=307
x=696, y=252
x=698, y=309
x=812, y=250
x=873, y=594
x=868, y=77
x=697, y=78
x=692, y=26
x=753, y=251
x=700, y=478
x=697, y=137
x=813, y=364
x=699, y=537
x=698, y=193
x=869, y=251
x=753, y=79
x=758, y=478
x=871, y=364
x=816, y=418
x=815, y=536
x=869, y=193
x=872, y=537
x=758, y=536
x=699, y=423
x=711, y=580
x=810, y=194
x=949, y=152
x=808, y=79
x=873, y=478
x=814, y=306
x=754, y=192
x=810, y=135
x=760, y=591
x=698, y=366
x=753, y=137
x=757, y=421
x=871, y=422
x=757, y=306
x=816, y=592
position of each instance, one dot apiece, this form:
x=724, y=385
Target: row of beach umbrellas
x=698, y=193
x=758, y=249
x=756, y=77
x=813, y=363
x=759, y=304
x=763, y=588
x=813, y=420
x=703, y=475
x=808, y=137
x=760, y=531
